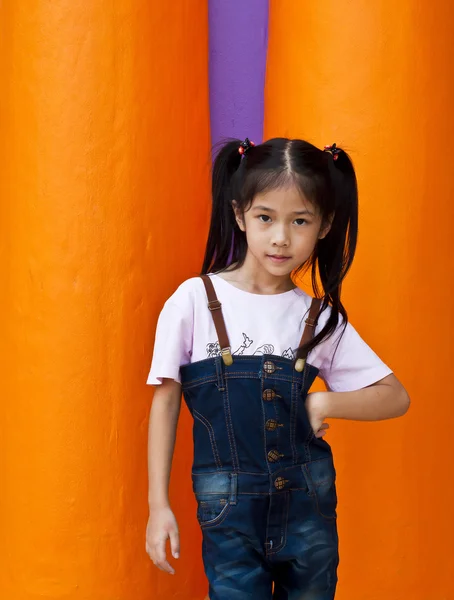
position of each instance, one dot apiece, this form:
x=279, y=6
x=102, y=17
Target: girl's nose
x=280, y=238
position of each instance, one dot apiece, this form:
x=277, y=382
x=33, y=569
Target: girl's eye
x=300, y=221
x=265, y=218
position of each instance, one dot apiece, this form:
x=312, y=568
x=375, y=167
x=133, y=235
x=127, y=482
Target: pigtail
x=224, y=234
x=334, y=254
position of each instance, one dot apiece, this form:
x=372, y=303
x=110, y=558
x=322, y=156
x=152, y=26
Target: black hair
x=327, y=179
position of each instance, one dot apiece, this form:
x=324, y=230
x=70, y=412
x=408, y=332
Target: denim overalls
x=264, y=484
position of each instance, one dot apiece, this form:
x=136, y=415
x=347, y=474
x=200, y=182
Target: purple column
x=238, y=38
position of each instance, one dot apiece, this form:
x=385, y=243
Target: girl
x=244, y=345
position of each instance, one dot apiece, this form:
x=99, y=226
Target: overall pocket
x=215, y=493
x=320, y=478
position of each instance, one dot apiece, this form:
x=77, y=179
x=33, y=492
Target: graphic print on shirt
x=265, y=349
x=214, y=349
x=247, y=342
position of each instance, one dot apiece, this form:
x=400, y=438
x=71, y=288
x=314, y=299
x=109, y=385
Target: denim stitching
x=201, y=378
x=283, y=530
x=212, y=378
x=324, y=458
x=230, y=432
x=203, y=493
x=268, y=523
x=220, y=381
x=237, y=375
x=253, y=493
x=211, y=435
x=293, y=420
x=278, y=377
x=307, y=451
x=199, y=381
x=263, y=474
x=233, y=488
x=319, y=510
x=218, y=520
x=323, y=481
x=311, y=434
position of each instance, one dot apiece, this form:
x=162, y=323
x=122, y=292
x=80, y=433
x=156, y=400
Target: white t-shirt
x=256, y=324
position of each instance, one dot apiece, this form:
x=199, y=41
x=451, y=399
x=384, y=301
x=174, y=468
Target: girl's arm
x=385, y=399
x=162, y=525
x=164, y=413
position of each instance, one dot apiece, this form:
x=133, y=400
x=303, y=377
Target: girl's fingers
x=175, y=543
x=322, y=431
x=160, y=559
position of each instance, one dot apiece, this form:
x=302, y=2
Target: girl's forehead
x=283, y=199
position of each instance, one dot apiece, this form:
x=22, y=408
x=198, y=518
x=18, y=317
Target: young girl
x=244, y=345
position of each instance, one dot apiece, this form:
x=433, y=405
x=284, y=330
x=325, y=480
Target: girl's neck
x=252, y=277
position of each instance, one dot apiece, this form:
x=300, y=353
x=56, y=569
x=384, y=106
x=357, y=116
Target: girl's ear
x=326, y=227
x=238, y=215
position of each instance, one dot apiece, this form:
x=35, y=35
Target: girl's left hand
x=315, y=407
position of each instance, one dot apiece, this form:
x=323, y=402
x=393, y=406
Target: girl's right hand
x=161, y=526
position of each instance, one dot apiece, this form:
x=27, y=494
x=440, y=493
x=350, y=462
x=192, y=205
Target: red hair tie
x=333, y=149
x=245, y=146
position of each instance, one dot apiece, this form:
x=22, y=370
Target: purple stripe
x=238, y=37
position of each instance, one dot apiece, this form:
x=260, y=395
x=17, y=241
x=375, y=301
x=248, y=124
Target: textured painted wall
x=102, y=193
x=238, y=34
x=377, y=78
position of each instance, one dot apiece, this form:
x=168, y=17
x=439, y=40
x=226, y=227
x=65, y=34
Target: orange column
x=377, y=79
x=104, y=187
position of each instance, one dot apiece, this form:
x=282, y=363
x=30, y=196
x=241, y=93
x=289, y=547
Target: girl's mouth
x=278, y=259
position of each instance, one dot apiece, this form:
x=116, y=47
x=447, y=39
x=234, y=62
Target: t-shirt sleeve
x=354, y=366
x=173, y=342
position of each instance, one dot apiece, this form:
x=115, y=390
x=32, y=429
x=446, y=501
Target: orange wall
x=103, y=181
x=104, y=175
x=377, y=79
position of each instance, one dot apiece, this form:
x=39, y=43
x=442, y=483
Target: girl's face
x=282, y=228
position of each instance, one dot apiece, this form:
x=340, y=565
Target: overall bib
x=264, y=484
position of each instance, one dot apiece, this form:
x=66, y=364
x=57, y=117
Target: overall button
x=269, y=395
x=274, y=455
x=279, y=483
x=272, y=425
x=269, y=367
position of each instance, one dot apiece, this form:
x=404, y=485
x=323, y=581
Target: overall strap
x=308, y=334
x=215, y=307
